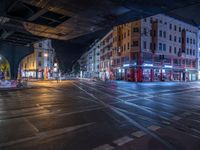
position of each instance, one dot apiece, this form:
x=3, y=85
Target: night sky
x=68, y=52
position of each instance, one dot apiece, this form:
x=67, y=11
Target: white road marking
x=17, y=141
x=123, y=140
x=166, y=122
x=104, y=147
x=81, y=111
x=31, y=125
x=60, y=131
x=153, y=127
x=138, y=134
x=176, y=118
x=46, y=134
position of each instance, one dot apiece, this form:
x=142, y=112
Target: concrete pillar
x=152, y=75
x=14, y=54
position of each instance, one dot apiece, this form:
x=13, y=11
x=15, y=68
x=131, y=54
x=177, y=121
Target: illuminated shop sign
x=148, y=65
x=129, y=65
x=168, y=66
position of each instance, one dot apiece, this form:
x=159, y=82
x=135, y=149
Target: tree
x=76, y=68
x=4, y=67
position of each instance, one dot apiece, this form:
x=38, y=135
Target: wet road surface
x=85, y=115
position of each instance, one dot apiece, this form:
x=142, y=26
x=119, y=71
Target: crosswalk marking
x=123, y=140
x=104, y=147
x=153, y=127
x=138, y=134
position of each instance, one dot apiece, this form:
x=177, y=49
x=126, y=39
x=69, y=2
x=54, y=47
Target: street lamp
x=45, y=54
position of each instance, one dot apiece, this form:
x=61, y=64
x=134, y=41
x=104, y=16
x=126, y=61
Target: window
x=170, y=26
x=193, y=52
x=135, y=43
x=40, y=44
x=187, y=40
x=174, y=50
x=160, y=33
x=170, y=49
x=151, y=46
x=39, y=54
x=128, y=45
x=190, y=52
x=125, y=35
x=164, y=47
x=194, y=41
x=160, y=46
x=145, y=44
x=174, y=38
x=150, y=32
x=135, y=29
x=128, y=32
x=179, y=39
x=164, y=34
x=160, y=21
x=179, y=29
x=151, y=20
x=187, y=51
x=124, y=47
x=39, y=63
x=170, y=37
x=190, y=41
x=174, y=27
x=145, y=31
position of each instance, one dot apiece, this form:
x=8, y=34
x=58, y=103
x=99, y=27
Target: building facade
x=199, y=55
x=106, y=56
x=156, y=48
x=89, y=61
x=40, y=64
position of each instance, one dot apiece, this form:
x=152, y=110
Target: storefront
x=198, y=75
x=192, y=74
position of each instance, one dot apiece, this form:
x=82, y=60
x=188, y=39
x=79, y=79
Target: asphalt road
x=85, y=115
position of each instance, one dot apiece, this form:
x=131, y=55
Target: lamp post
x=45, y=66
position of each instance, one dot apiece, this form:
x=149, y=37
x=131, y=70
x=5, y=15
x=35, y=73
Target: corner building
x=157, y=48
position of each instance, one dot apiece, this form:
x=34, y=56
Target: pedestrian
x=57, y=79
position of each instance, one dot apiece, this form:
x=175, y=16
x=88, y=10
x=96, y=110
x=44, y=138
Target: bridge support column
x=14, y=54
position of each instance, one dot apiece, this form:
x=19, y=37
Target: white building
x=83, y=65
x=89, y=61
x=175, y=42
x=106, y=45
x=40, y=64
x=199, y=55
